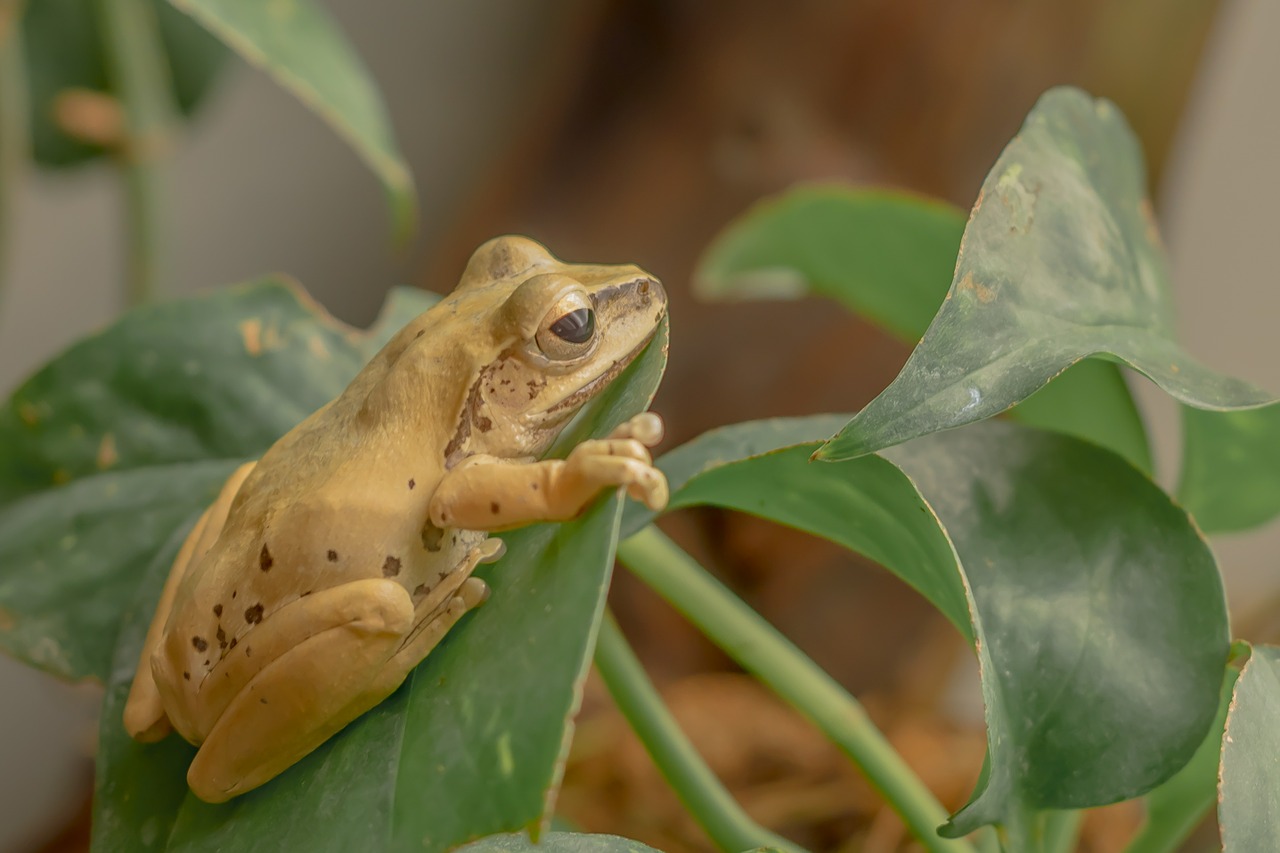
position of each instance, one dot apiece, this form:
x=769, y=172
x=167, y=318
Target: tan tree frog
x=327, y=570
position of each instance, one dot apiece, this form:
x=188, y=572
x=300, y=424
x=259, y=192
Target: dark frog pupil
x=576, y=327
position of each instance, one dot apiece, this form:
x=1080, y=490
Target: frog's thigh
x=309, y=691
x=144, y=714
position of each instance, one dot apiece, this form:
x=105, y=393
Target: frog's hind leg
x=322, y=657
x=144, y=715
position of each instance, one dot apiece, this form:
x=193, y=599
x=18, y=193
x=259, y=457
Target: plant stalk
x=707, y=800
x=15, y=133
x=1061, y=830
x=141, y=82
x=761, y=650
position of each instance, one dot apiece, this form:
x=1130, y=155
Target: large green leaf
x=1249, y=793
x=472, y=744
x=557, y=842
x=65, y=51
x=1097, y=607
x=299, y=44
x=1060, y=261
x=1179, y=805
x=889, y=257
x=118, y=440
x=1231, y=467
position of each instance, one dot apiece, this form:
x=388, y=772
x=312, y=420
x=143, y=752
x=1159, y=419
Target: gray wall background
x=452, y=74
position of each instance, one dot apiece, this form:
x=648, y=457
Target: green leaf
x=129, y=432
x=885, y=255
x=1179, y=805
x=65, y=51
x=1060, y=261
x=1099, y=610
x=889, y=257
x=869, y=506
x=472, y=744
x=1249, y=793
x=556, y=842
x=1097, y=607
x=1231, y=468
x=303, y=49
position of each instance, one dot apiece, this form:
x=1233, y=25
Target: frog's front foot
x=623, y=459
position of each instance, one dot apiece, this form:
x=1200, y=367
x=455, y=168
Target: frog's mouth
x=567, y=407
x=631, y=302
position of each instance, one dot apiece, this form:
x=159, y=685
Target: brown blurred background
x=633, y=131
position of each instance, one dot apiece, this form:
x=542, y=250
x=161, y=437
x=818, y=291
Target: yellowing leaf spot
x=251, y=332
x=983, y=293
x=271, y=338
x=282, y=10
x=7, y=622
x=29, y=414
x=61, y=476
x=506, y=763
x=1010, y=176
x=107, y=453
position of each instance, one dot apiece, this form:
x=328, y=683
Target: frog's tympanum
x=327, y=570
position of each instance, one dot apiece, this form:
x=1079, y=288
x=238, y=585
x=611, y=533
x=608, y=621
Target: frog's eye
x=568, y=331
x=576, y=327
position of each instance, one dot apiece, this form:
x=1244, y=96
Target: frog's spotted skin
x=327, y=570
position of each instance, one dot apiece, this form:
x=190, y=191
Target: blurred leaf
x=1060, y=261
x=1098, y=609
x=885, y=255
x=889, y=257
x=556, y=842
x=1178, y=806
x=1249, y=794
x=15, y=129
x=65, y=52
x=1231, y=468
x=304, y=50
x=114, y=443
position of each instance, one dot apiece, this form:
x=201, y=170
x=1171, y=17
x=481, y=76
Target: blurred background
x=623, y=130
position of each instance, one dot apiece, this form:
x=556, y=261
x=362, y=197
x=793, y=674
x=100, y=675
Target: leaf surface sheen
x=1097, y=607
x=889, y=257
x=1060, y=261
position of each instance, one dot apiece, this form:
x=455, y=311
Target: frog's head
x=559, y=333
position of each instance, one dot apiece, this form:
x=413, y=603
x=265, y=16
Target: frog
x=329, y=568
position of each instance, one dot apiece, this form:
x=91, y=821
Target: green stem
x=15, y=134
x=1061, y=829
x=707, y=800
x=1167, y=834
x=140, y=79
x=760, y=649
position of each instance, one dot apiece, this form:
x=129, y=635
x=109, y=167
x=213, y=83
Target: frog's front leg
x=484, y=493
x=313, y=667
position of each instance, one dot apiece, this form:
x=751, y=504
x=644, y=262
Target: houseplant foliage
x=1093, y=601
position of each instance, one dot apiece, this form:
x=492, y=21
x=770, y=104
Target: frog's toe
x=651, y=490
x=646, y=428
